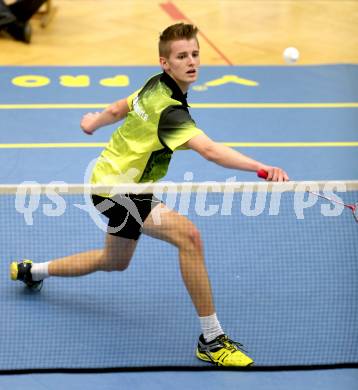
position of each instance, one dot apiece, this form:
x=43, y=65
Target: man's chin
x=191, y=78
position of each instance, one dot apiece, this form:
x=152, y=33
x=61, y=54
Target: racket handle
x=261, y=173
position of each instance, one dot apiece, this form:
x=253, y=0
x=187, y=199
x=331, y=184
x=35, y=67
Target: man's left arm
x=230, y=158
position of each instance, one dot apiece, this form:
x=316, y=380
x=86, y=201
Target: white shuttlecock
x=291, y=55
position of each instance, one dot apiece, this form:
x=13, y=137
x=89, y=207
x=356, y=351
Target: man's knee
x=117, y=254
x=110, y=264
x=190, y=238
x=195, y=237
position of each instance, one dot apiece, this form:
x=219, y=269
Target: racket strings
x=352, y=207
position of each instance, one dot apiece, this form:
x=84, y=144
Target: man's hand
x=88, y=122
x=274, y=174
x=113, y=113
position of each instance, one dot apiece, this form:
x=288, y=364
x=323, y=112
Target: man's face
x=183, y=62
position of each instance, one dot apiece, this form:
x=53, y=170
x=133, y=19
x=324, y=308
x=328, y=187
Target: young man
x=157, y=122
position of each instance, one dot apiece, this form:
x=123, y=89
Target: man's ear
x=164, y=63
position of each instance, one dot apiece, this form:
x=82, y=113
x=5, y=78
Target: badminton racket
x=353, y=207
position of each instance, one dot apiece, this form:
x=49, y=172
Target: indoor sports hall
x=282, y=257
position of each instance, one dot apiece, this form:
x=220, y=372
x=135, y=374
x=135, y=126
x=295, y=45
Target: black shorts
x=126, y=213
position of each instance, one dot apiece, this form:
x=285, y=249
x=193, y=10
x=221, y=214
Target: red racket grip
x=262, y=174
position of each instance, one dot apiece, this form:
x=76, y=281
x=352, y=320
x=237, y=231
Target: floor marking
x=60, y=145
x=56, y=106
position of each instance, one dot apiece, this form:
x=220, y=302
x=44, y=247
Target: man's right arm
x=113, y=113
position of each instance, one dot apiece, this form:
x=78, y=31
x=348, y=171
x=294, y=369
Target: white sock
x=211, y=327
x=39, y=271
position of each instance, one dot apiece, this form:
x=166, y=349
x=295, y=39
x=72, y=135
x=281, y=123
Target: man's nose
x=191, y=60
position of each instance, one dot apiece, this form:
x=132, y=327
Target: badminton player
x=156, y=123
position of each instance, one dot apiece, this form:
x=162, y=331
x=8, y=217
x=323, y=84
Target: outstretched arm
x=230, y=158
x=113, y=113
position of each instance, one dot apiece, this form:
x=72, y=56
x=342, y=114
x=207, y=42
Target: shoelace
x=231, y=345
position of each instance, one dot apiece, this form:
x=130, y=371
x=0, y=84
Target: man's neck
x=184, y=87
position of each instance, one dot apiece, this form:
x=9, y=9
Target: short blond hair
x=176, y=32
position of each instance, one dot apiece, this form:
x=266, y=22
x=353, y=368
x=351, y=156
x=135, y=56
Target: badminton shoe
x=22, y=271
x=223, y=352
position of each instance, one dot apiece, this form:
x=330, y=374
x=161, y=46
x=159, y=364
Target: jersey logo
x=138, y=110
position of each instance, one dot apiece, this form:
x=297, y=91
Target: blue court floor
x=338, y=379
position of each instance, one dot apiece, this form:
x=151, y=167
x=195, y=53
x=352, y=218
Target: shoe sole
x=13, y=270
x=205, y=358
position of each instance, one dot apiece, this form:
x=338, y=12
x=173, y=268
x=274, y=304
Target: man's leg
x=213, y=345
x=115, y=256
x=179, y=231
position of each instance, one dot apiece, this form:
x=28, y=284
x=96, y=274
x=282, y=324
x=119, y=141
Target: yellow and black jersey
x=157, y=124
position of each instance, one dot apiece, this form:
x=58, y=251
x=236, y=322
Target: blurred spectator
x=14, y=18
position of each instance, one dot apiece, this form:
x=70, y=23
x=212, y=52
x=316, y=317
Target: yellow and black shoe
x=223, y=352
x=22, y=271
